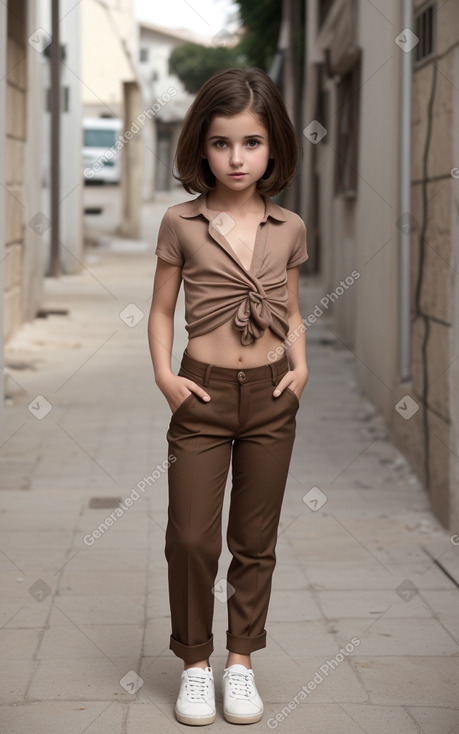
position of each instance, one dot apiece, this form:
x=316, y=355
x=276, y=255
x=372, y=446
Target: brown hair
x=227, y=93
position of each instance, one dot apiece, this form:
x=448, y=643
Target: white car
x=101, y=160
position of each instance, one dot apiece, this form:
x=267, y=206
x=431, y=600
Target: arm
x=161, y=335
x=161, y=319
x=297, y=377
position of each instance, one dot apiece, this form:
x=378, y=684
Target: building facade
x=25, y=138
x=168, y=99
x=381, y=91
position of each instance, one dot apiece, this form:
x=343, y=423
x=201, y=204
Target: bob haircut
x=227, y=93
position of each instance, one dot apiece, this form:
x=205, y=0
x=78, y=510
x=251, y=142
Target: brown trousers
x=245, y=420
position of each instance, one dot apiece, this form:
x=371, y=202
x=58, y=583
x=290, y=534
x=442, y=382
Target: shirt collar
x=198, y=206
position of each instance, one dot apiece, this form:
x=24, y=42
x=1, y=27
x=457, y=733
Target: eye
x=253, y=143
x=220, y=144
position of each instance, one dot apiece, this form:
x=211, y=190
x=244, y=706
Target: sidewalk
x=363, y=627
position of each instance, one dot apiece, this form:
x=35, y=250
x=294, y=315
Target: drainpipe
x=404, y=245
x=55, y=94
x=3, y=72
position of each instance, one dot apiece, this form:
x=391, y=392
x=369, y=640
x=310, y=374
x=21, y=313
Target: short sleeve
x=299, y=253
x=168, y=247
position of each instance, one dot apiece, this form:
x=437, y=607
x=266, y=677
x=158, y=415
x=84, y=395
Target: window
x=143, y=54
x=425, y=33
x=347, y=132
x=99, y=138
x=322, y=114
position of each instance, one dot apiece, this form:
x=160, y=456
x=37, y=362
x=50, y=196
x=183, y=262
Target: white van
x=101, y=161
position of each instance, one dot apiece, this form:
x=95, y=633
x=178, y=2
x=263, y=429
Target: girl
x=236, y=393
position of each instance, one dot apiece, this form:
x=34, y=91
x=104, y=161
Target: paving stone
x=382, y=719
x=91, y=641
x=297, y=639
x=151, y=716
x=48, y=716
x=18, y=644
x=370, y=604
x=91, y=609
x=435, y=719
x=77, y=679
x=111, y=582
x=24, y=613
x=397, y=636
x=321, y=678
x=292, y=606
x=355, y=575
x=157, y=633
x=14, y=678
x=406, y=681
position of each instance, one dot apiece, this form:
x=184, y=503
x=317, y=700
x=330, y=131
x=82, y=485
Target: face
x=237, y=150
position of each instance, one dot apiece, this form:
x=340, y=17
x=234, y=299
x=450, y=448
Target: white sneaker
x=196, y=700
x=241, y=702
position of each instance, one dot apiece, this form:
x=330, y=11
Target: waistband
x=272, y=371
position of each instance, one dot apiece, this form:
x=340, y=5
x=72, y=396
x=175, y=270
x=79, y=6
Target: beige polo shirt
x=217, y=286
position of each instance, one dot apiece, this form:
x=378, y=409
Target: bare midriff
x=222, y=347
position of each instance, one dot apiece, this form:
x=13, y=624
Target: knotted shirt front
x=217, y=286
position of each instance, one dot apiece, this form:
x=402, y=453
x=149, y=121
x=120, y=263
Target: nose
x=236, y=156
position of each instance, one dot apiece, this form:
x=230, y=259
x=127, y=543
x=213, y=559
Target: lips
x=237, y=175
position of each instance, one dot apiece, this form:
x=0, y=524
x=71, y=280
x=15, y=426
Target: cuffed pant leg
x=192, y=653
x=261, y=460
x=197, y=480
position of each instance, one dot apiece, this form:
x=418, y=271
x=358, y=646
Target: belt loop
x=273, y=372
x=207, y=375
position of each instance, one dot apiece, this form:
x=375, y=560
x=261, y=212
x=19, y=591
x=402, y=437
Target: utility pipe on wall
x=404, y=243
x=3, y=74
x=55, y=95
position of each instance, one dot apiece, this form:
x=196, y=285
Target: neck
x=226, y=200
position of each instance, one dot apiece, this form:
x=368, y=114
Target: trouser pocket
x=293, y=396
x=183, y=404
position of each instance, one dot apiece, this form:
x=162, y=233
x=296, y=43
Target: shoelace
x=240, y=684
x=196, y=686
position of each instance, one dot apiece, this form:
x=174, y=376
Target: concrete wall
x=34, y=243
x=109, y=51
x=359, y=233
x=16, y=95
x=453, y=372
x=27, y=146
x=376, y=303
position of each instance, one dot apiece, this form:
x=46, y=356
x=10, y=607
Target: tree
x=261, y=20
x=194, y=64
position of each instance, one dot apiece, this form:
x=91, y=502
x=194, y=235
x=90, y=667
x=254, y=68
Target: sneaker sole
x=232, y=719
x=195, y=720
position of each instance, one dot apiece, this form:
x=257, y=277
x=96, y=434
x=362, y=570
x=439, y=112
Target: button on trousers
x=246, y=425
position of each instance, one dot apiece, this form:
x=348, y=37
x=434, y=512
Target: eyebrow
x=224, y=137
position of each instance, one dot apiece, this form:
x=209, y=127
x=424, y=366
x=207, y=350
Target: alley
x=363, y=628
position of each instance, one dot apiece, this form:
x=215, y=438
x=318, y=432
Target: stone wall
x=425, y=438
x=15, y=144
